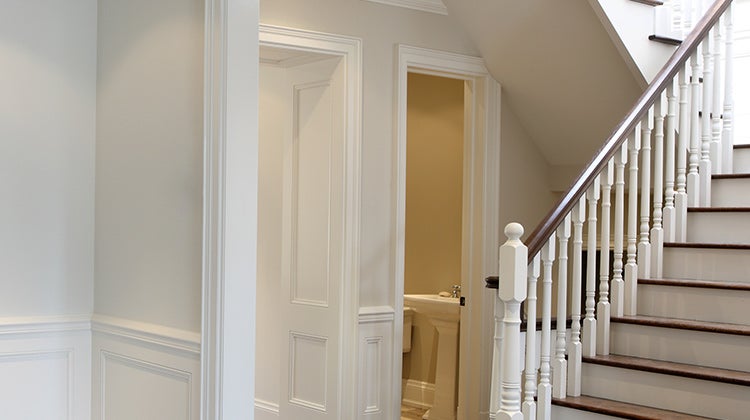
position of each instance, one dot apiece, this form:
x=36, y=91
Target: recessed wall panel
x=308, y=371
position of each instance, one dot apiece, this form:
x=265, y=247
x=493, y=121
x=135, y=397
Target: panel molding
x=374, y=314
x=430, y=6
x=375, y=358
x=10, y=326
x=418, y=394
x=169, y=339
x=267, y=406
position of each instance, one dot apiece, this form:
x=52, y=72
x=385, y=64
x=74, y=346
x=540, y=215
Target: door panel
x=312, y=238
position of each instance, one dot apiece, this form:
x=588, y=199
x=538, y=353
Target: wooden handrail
x=552, y=220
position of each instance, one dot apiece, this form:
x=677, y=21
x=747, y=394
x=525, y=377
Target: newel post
x=512, y=291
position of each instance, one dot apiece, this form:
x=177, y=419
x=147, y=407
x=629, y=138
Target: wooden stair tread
x=718, y=209
x=671, y=368
x=704, y=284
x=621, y=409
x=685, y=324
x=730, y=176
x=665, y=39
x=704, y=245
x=741, y=146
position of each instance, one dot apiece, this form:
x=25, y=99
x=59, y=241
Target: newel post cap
x=513, y=265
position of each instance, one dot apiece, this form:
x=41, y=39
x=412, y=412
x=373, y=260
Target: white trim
x=350, y=49
x=230, y=183
x=44, y=324
x=418, y=394
x=430, y=6
x=371, y=314
x=267, y=406
x=485, y=151
x=152, y=334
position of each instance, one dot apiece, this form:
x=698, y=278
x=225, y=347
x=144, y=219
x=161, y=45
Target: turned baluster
x=668, y=213
x=559, y=364
x=644, y=244
x=529, y=404
x=704, y=168
x=618, y=285
x=544, y=393
x=727, y=134
x=512, y=291
x=575, y=354
x=716, y=152
x=657, y=233
x=631, y=267
x=693, y=180
x=589, y=321
x=607, y=178
x=683, y=140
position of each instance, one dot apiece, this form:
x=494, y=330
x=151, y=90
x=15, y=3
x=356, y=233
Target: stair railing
x=676, y=135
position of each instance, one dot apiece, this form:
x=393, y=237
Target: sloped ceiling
x=559, y=70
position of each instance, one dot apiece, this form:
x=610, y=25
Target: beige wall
x=434, y=176
x=149, y=153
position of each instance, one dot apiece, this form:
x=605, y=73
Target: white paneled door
x=312, y=242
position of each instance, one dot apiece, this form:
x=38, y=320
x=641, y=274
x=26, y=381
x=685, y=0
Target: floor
x=411, y=413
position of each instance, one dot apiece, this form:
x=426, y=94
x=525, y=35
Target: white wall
x=149, y=161
x=47, y=112
x=47, y=132
x=381, y=28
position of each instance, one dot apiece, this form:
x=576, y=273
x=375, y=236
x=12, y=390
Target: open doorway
x=477, y=236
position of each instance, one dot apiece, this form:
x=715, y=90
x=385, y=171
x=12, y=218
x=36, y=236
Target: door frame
x=480, y=231
x=349, y=50
x=230, y=189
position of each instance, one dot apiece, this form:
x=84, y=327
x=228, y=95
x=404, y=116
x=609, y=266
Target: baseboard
x=417, y=393
x=46, y=359
x=132, y=361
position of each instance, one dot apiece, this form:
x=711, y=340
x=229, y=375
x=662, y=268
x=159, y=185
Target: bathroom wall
x=434, y=200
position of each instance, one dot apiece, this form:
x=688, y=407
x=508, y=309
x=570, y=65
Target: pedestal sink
x=445, y=314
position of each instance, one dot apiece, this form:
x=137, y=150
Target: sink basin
x=435, y=306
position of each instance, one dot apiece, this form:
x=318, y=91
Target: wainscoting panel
x=44, y=368
x=376, y=331
x=144, y=371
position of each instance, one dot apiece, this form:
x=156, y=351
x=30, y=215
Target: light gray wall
x=149, y=161
x=381, y=29
x=47, y=116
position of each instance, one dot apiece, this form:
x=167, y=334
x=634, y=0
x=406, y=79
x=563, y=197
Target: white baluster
x=559, y=364
x=618, y=285
x=496, y=358
x=669, y=166
x=683, y=140
x=644, y=245
x=704, y=168
x=631, y=268
x=544, y=396
x=607, y=178
x=589, y=321
x=529, y=404
x=716, y=158
x=727, y=135
x=512, y=291
x=693, y=180
x=575, y=350
x=657, y=233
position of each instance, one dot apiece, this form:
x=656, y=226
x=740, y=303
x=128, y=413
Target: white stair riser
x=696, y=303
x=707, y=264
x=733, y=192
x=692, y=396
x=565, y=413
x=718, y=228
x=741, y=161
x=723, y=351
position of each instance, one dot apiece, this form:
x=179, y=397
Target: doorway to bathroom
x=447, y=232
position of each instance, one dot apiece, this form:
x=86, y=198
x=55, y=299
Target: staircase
x=684, y=355
x=662, y=330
